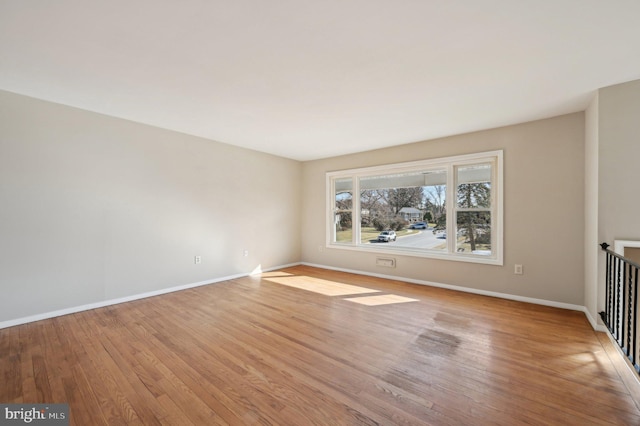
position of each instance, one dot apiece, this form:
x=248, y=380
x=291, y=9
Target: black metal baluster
x=634, y=357
x=616, y=305
x=609, y=292
x=621, y=304
x=627, y=282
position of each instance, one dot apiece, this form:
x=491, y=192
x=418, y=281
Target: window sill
x=403, y=251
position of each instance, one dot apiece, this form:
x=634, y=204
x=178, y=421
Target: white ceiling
x=313, y=79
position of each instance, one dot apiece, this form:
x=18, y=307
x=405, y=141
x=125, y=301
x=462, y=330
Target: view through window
x=447, y=207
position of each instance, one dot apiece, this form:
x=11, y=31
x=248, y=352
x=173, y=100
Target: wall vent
x=388, y=262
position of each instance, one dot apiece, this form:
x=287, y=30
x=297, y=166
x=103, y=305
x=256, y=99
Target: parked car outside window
x=387, y=236
x=418, y=225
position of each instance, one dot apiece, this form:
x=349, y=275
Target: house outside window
x=411, y=214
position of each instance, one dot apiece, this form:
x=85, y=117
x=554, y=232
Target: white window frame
x=445, y=163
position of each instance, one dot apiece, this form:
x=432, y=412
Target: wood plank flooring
x=270, y=351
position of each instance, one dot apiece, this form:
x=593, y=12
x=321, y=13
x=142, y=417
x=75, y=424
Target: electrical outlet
x=245, y=253
x=197, y=260
x=518, y=270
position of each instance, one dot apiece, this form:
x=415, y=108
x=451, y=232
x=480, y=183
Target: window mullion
x=450, y=207
x=496, y=210
x=331, y=213
x=356, y=223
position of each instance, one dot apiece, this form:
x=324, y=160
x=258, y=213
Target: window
x=343, y=210
x=448, y=208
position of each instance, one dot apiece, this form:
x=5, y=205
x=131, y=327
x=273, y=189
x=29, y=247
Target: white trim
x=411, y=165
x=594, y=322
x=499, y=193
x=102, y=304
x=507, y=296
x=629, y=367
x=72, y=310
x=619, y=245
x=399, y=251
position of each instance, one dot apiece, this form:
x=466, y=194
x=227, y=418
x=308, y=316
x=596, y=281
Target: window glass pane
x=474, y=186
x=473, y=232
x=342, y=210
x=411, y=204
x=373, y=211
x=435, y=208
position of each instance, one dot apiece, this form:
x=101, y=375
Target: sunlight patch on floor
x=275, y=274
x=317, y=285
x=383, y=299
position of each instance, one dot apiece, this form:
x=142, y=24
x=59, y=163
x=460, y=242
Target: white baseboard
x=102, y=304
x=594, y=322
x=625, y=369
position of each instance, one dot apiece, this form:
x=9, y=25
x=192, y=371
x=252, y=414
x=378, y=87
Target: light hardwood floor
x=271, y=350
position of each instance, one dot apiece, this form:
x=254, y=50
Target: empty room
x=319, y=213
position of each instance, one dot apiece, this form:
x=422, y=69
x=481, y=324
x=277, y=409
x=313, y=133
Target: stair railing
x=621, y=303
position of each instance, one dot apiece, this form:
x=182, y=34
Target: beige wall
x=95, y=208
x=619, y=170
x=544, y=211
x=618, y=167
